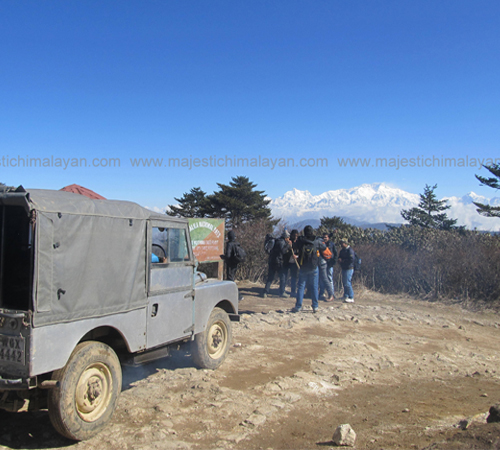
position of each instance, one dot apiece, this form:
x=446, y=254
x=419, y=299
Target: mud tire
x=86, y=398
x=210, y=347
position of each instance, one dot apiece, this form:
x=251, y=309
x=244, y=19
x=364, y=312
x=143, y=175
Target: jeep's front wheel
x=89, y=386
x=210, y=347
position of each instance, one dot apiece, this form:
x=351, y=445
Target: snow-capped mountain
x=374, y=203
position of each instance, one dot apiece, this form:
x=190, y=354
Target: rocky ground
x=404, y=373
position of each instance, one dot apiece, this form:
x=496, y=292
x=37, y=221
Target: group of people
x=308, y=261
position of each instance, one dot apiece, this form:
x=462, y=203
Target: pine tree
x=492, y=182
x=331, y=223
x=239, y=202
x=429, y=213
x=192, y=204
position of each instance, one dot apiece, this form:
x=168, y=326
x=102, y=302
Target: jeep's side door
x=170, y=284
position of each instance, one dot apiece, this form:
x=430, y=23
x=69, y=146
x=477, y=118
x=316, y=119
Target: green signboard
x=207, y=238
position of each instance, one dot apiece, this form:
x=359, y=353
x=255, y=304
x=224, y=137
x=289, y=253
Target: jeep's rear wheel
x=210, y=347
x=86, y=398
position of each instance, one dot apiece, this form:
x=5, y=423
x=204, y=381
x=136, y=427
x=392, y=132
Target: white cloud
x=466, y=214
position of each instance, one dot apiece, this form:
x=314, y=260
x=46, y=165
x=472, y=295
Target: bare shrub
x=251, y=236
x=454, y=264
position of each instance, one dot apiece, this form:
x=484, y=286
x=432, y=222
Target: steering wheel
x=159, y=251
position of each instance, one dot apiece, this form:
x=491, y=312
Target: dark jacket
x=280, y=249
x=287, y=258
x=230, y=253
x=347, y=257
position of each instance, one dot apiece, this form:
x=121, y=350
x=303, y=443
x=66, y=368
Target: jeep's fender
x=209, y=294
x=52, y=345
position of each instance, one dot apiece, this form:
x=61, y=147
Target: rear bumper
x=17, y=384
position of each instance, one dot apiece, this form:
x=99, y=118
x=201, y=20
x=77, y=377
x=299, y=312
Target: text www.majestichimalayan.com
x=229, y=161
x=259, y=161
x=417, y=161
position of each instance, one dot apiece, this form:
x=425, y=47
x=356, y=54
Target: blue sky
x=104, y=82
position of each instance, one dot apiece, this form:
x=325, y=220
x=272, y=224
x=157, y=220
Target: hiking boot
x=315, y=310
x=296, y=310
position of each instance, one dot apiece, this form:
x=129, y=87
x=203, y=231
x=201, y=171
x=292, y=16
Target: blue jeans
x=273, y=270
x=326, y=280
x=329, y=272
x=310, y=278
x=346, y=281
x=293, y=277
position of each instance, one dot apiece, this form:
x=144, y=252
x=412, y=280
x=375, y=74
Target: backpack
x=277, y=253
x=309, y=255
x=269, y=243
x=240, y=255
x=357, y=262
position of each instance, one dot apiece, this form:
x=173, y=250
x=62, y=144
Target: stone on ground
x=344, y=435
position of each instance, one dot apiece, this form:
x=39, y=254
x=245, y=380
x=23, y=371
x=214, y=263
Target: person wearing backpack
x=326, y=262
x=269, y=243
x=233, y=255
x=309, y=248
x=281, y=246
x=347, y=259
x=291, y=264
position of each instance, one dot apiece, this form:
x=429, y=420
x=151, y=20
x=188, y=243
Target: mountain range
x=373, y=205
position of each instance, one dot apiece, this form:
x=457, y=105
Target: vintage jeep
x=80, y=295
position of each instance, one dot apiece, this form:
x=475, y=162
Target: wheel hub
x=216, y=340
x=93, y=392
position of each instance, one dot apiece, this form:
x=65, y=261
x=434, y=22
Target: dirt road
x=403, y=373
